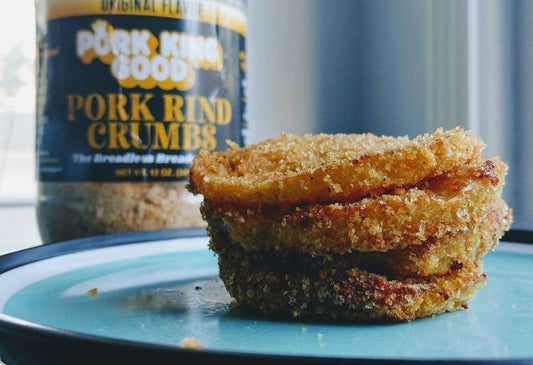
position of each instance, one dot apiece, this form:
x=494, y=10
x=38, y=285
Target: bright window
x=17, y=103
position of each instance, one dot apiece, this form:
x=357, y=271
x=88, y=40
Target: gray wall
x=386, y=66
x=371, y=66
x=281, y=68
x=521, y=126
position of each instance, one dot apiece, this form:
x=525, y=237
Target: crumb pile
x=353, y=226
x=81, y=209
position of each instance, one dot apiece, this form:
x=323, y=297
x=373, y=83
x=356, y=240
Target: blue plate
x=138, y=295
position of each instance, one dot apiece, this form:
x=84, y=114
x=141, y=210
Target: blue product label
x=135, y=97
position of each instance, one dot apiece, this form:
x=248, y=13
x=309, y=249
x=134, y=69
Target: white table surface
x=18, y=228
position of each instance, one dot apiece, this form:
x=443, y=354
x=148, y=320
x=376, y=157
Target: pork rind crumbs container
x=128, y=92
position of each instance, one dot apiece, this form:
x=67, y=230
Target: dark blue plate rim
x=23, y=342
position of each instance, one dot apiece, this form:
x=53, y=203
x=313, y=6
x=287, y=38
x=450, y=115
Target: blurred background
x=382, y=66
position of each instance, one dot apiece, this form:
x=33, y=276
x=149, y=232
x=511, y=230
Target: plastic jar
x=128, y=92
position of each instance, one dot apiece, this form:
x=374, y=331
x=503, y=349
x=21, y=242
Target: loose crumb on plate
x=190, y=343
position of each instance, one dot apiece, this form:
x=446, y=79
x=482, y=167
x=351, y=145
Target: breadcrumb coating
x=400, y=218
x=289, y=170
x=353, y=227
x=350, y=294
x=433, y=257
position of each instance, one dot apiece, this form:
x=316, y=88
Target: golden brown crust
x=289, y=170
x=350, y=294
x=447, y=204
x=434, y=257
x=353, y=227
